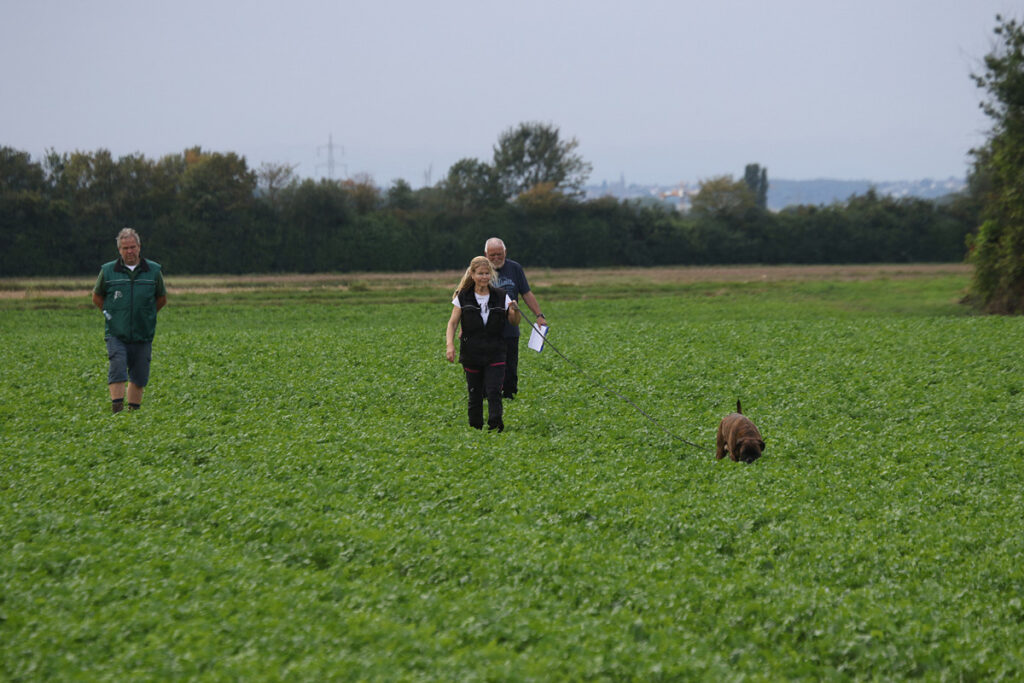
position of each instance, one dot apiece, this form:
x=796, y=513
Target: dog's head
x=749, y=450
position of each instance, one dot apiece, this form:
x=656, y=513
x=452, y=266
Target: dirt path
x=29, y=288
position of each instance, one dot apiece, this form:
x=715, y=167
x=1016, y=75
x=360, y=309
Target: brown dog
x=738, y=436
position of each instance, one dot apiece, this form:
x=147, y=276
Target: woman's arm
x=449, y=335
x=514, y=316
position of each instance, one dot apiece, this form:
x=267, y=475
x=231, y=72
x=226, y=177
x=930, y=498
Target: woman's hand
x=450, y=353
x=514, y=316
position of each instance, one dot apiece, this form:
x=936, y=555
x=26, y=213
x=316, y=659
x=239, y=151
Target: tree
x=721, y=197
x=216, y=184
x=756, y=179
x=365, y=193
x=89, y=188
x=317, y=227
x=542, y=198
x=729, y=220
x=26, y=220
x=472, y=185
x=997, y=249
x=534, y=153
x=18, y=173
x=216, y=229
x=272, y=178
x=400, y=196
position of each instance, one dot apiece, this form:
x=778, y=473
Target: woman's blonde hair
x=467, y=279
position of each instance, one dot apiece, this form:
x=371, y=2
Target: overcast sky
x=655, y=91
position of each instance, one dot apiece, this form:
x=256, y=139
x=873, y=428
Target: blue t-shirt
x=512, y=279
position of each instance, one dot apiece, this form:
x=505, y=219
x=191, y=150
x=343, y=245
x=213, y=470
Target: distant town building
x=782, y=193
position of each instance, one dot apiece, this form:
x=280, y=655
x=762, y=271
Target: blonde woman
x=482, y=310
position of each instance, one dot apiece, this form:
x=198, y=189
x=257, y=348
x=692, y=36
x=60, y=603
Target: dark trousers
x=481, y=382
x=511, y=385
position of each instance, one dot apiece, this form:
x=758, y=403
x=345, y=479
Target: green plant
x=300, y=497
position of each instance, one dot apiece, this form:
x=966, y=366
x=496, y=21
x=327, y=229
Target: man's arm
x=161, y=291
x=531, y=301
x=98, y=288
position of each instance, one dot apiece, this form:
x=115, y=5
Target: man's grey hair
x=128, y=232
x=494, y=241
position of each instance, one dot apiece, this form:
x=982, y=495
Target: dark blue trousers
x=511, y=384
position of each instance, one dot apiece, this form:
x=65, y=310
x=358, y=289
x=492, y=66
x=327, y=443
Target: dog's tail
x=738, y=407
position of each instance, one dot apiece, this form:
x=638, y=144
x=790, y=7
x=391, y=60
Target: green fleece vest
x=129, y=298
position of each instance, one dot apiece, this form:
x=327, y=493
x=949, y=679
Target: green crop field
x=300, y=497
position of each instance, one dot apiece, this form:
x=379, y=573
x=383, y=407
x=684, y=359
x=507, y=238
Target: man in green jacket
x=129, y=291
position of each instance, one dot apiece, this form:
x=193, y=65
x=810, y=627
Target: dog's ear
x=762, y=444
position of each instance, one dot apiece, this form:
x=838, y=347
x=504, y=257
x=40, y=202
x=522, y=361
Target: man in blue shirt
x=512, y=279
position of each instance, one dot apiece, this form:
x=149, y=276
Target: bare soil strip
x=33, y=288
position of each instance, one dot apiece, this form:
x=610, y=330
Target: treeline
x=997, y=176
x=208, y=212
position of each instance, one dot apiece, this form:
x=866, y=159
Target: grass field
x=301, y=499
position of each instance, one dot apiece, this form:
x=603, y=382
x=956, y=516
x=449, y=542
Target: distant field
x=300, y=497
x=573, y=280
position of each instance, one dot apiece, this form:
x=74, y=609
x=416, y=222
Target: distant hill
x=783, y=193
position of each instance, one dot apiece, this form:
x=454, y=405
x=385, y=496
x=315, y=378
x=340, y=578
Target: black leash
x=610, y=390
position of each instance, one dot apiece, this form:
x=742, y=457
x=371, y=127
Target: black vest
x=482, y=344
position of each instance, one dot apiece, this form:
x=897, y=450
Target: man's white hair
x=128, y=232
x=494, y=241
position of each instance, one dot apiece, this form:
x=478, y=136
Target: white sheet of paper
x=537, y=338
